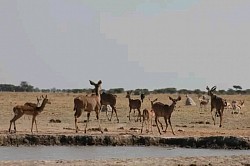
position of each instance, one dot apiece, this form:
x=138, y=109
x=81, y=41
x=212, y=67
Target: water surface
x=106, y=152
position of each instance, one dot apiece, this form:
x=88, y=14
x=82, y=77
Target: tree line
x=26, y=87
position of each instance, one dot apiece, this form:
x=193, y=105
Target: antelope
x=164, y=110
x=20, y=110
x=142, y=97
x=88, y=104
x=33, y=104
x=237, y=106
x=203, y=102
x=134, y=104
x=109, y=99
x=227, y=105
x=147, y=116
x=216, y=102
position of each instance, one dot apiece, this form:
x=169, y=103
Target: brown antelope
x=142, y=97
x=164, y=110
x=147, y=116
x=88, y=104
x=109, y=99
x=203, y=102
x=34, y=104
x=216, y=102
x=134, y=104
x=20, y=110
x=237, y=106
x=227, y=105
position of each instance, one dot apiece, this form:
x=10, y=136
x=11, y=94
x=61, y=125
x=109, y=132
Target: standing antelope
x=34, y=104
x=164, y=110
x=237, y=106
x=20, y=110
x=109, y=99
x=227, y=105
x=147, y=116
x=88, y=104
x=203, y=102
x=134, y=104
x=216, y=102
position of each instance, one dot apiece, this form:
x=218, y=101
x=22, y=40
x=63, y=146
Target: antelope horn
x=213, y=88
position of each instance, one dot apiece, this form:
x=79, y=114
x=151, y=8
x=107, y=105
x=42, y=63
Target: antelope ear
x=91, y=82
x=207, y=88
x=170, y=98
x=99, y=82
x=179, y=98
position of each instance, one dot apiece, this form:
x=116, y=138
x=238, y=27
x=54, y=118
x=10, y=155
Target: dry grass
x=186, y=120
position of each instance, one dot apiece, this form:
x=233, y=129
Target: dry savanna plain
x=187, y=121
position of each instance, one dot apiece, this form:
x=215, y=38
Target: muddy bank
x=218, y=142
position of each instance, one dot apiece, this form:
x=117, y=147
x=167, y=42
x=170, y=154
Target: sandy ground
x=186, y=121
x=178, y=161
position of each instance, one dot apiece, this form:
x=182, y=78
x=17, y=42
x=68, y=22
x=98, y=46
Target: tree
x=141, y=91
x=26, y=87
x=230, y=91
x=237, y=87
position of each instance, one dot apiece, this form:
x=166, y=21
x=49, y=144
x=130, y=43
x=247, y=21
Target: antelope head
x=97, y=86
x=128, y=94
x=210, y=91
x=46, y=100
x=175, y=100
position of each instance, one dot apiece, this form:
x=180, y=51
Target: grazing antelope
x=237, y=106
x=109, y=99
x=20, y=110
x=134, y=104
x=164, y=110
x=88, y=104
x=216, y=102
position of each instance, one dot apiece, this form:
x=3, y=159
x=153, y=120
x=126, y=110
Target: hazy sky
x=126, y=43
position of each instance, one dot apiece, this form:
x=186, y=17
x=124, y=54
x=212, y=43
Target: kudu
x=165, y=111
x=216, y=103
x=134, y=104
x=20, y=110
x=88, y=104
x=109, y=99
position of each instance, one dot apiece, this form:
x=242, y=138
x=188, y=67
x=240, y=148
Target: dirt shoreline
x=242, y=160
x=215, y=142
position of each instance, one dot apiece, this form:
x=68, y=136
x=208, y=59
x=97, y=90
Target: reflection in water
x=105, y=152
